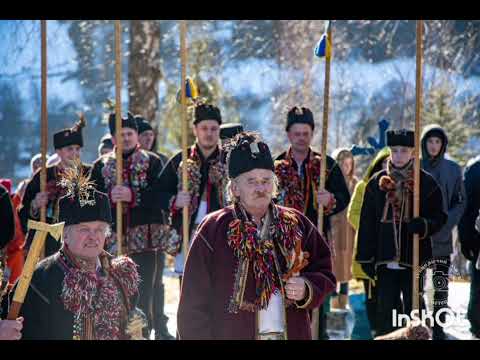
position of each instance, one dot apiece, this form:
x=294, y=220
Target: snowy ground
x=172, y=296
x=459, y=293
x=458, y=302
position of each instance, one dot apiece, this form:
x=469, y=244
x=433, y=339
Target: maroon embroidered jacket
x=209, y=276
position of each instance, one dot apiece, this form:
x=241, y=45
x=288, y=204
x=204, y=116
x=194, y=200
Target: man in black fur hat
x=68, y=144
x=255, y=269
x=387, y=226
x=145, y=226
x=81, y=292
x=298, y=173
x=207, y=175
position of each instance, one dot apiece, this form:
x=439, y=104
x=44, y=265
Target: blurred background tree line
x=255, y=70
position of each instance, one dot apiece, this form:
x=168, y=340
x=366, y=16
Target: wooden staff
x=183, y=58
x=118, y=127
x=326, y=99
x=44, y=122
x=323, y=164
x=416, y=168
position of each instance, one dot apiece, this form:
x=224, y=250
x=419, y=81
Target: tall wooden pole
x=183, y=58
x=118, y=128
x=44, y=122
x=416, y=169
x=326, y=100
x=323, y=165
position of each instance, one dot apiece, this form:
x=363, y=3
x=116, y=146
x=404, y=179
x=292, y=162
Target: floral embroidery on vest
x=134, y=172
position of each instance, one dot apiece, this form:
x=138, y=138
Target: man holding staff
x=145, y=230
x=81, y=292
x=387, y=227
x=254, y=268
x=206, y=175
x=298, y=172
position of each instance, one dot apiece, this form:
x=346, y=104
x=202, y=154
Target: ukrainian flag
x=323, y=49
x=191, y=91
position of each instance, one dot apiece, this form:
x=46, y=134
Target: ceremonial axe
x=38, y=244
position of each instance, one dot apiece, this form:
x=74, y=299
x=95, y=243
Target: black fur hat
x=207, y=112
x=299, y=115
x=129, y=122
x=246, y=152
x=402, y=137
x=71, y=136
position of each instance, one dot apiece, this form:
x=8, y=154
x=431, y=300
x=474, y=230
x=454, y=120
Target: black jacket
x=376, y=241
x=43, y=310
x=334, y=183
x=143, y=219
x=144, y=209
x=168, y=183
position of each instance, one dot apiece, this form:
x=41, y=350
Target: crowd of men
x=258, y=267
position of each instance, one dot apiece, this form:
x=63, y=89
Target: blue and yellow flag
x=323, y=49
x=191, y=91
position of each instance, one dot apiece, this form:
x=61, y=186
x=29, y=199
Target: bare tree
x=144, y=72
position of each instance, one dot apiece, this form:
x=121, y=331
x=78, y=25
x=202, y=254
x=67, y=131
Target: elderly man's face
x=86, y=239
x=254, y=188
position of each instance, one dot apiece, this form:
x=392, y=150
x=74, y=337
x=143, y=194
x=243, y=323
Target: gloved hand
x=369, y=269
x=418, y=226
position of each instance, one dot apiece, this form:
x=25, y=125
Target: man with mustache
x=68, y=144
x=254, y=268
x=206, y=175
x=298, y=172
x=145, y=226
x=81, y=292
